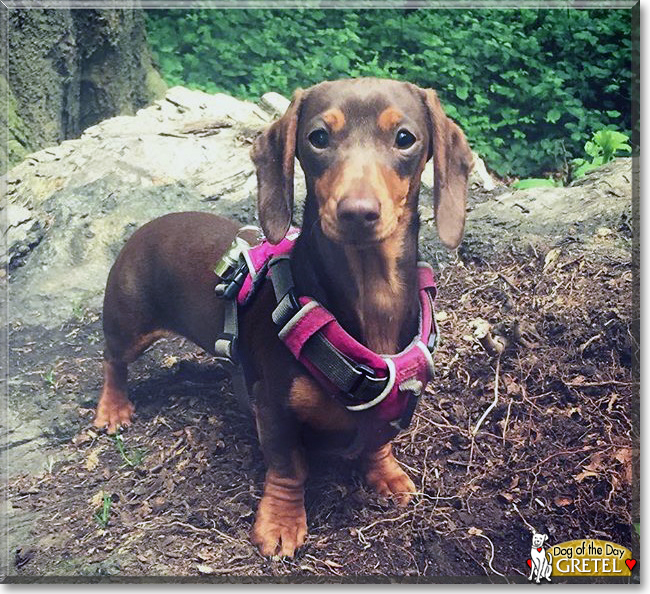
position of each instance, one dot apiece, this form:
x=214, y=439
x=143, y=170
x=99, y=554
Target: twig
x=471, y=455
x=491, y=554
x=505, y=424
x=514, y=505
x=494, y=402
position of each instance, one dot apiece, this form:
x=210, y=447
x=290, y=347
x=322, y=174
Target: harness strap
x=225, y=345
x=283, y=286
x=356, y=382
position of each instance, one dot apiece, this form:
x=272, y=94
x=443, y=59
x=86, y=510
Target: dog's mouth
x=358, y=238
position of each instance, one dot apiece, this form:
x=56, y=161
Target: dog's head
x=363, y=144
x=539, y=539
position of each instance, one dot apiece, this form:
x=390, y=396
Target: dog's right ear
x=273, y=153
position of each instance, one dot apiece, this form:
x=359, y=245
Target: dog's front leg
x=385, y=475
x=281, y=521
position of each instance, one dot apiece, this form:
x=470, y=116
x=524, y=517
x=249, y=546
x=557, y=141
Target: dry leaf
x=583, y=475
x=441, y=316
x=97, y=500
x=92, y=461
x=332, y=564
x=551, y=259
x=169, y=361
x=624, y=456
x=595, y=462
x=204, y=569
x=562, y=501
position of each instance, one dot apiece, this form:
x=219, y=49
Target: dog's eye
x=404, y=139
x=319, y=138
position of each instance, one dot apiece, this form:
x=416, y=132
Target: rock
x=274, y=103
x=22, y=233
x=86, y=196
x=479, y=177
x=547, y=216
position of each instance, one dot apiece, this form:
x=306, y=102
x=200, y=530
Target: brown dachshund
x=363, y=145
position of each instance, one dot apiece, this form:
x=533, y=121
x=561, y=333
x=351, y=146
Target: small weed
x=50, y=378
x=102, y=516
x=131, y=459
x=79, y=312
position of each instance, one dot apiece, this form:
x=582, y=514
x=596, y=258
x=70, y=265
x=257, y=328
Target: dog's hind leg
x=129, y=328
x=114, y=409
x=386, y=476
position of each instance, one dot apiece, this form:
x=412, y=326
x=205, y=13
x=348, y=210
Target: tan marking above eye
x=389, y=118
x=334, y=118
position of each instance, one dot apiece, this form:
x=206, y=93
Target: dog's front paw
x=113, y=412
x=280, y=526
x=385, y=475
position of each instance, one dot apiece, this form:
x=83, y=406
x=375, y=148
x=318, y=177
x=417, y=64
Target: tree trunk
x=69, y=69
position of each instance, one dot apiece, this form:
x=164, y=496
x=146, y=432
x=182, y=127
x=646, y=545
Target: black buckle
x=365, y=383
x=365, y=372
x=230, y=286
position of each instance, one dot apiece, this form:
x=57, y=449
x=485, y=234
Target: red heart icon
x=530, y=563
x=630, y=563
x=539, y=550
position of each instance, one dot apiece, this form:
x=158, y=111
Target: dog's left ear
x=452, y=164
x=273, y=153
x=544, y=537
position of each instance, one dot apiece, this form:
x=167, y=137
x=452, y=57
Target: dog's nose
x=358, y=213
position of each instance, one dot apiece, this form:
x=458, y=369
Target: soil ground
x=176, y=496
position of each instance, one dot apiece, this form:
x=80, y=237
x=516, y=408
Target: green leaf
x=462, y=93
x=534, y=182
x=340, y=62
x=553, y=115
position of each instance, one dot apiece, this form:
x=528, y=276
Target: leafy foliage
x=602, y=148
x=528, y=86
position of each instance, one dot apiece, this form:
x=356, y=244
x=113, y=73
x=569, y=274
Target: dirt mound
x=176, y=496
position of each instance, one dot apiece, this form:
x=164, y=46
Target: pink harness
x=398, y=379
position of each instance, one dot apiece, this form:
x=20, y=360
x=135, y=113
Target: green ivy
x=529, y=87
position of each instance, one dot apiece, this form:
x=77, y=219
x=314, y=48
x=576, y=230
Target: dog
x=541, y=565
x=363, y=145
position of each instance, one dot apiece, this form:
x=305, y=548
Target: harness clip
x=232, y=268
x=413, y=388
x=225, y=347
x=365, y=373
x=233, y=281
